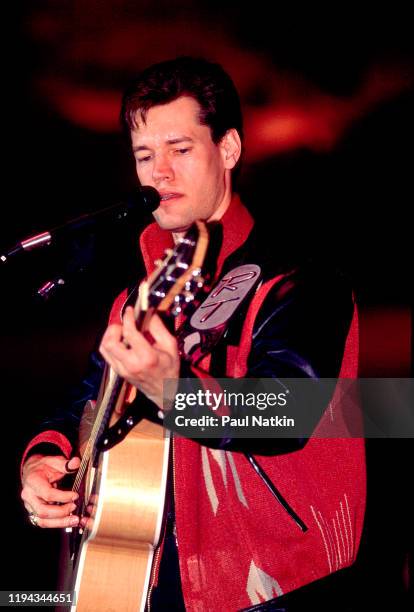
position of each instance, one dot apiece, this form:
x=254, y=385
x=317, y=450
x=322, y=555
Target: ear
x=231, y=146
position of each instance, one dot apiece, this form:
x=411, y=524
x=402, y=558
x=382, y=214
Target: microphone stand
x=146, y=198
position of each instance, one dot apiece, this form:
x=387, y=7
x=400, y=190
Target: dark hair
x=205, y=81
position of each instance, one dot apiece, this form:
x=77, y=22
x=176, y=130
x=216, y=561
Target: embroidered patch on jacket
x=226, y=297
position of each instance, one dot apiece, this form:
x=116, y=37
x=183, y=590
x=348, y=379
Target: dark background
x=328, y=109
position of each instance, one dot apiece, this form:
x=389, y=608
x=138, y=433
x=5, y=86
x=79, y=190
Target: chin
x=169, y=223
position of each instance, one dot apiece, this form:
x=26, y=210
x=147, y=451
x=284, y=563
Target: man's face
x=176, y=155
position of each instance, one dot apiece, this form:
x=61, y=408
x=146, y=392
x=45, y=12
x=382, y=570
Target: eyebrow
x=170, y=141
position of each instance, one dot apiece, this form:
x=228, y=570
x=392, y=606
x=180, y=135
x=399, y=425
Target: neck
x=216, y=216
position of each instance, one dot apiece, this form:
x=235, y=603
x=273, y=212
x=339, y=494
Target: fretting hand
x=143, y=364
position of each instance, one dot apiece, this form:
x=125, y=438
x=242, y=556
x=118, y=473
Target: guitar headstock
x=177, y=277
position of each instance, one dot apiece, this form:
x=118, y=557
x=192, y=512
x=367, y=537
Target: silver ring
x=33, y=518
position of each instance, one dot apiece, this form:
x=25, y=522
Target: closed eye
x=141, y=160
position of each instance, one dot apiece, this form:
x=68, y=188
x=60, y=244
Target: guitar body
x=126, y=502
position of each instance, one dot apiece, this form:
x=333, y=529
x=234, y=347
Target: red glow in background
x=327, y=100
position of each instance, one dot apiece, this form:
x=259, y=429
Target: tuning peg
x=194, y=283
x=197, y=278
x=188, y=296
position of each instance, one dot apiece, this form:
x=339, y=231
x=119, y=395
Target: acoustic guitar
x=122, y=477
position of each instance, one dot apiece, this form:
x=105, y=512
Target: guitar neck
x=106, y=406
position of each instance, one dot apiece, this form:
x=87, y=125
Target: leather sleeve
x=67, y=417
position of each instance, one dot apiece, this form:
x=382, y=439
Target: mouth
x=171, y=195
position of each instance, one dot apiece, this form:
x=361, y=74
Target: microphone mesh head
x=150, y=198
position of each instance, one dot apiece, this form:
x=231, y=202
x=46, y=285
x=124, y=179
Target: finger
x=39, y=487
x=113, y=349
x=112, y=336
x=28, y=507
x=49, y=523
x=72, y=465
x=46, y=511
x=131, y=335
x=130, y=360
x=116, y=365
x=84, y=520
x=163, y=338
x=56, y=467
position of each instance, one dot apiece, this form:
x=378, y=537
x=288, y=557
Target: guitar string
x=94, y=434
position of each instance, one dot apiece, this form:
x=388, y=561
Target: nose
x=162, y=169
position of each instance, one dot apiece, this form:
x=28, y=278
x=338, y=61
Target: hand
x=50, y=506
x=142, y=364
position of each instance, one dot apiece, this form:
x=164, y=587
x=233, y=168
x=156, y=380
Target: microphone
x=145, y=197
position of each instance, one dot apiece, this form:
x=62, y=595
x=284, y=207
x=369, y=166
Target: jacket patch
x=226, y=297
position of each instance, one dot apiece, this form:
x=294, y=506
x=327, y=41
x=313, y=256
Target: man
x=240, y=541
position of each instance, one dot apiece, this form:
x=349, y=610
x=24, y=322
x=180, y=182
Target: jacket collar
x=237, y=224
